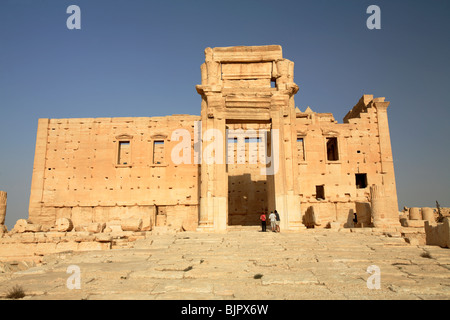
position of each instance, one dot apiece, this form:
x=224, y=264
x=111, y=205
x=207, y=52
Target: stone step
x=245, y=228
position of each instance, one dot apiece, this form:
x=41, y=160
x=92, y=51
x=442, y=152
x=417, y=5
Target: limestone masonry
x=125, y=187
x=251, y=150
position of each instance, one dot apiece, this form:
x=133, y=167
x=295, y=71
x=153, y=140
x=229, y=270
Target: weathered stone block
x=132, y=225
x=84, y=236
x=92, y=246
x=438, y=234
x=23, y=225
x=363, y=212
x=95, y=227
x=45, y=248
x=27, y=238
x=414, y=223
x=103, y=237
x=63, y=225
x=66, y=246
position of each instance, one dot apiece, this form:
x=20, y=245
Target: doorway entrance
x=248, y=189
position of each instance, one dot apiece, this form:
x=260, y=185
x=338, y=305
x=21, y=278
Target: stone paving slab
x=245, y=265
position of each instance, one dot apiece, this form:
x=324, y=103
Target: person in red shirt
x=263, y=221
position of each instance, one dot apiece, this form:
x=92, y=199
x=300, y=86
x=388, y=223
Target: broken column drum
x=428, y=214
x=414, y=214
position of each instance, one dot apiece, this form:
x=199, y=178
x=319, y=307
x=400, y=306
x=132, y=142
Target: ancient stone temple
x=250, y=150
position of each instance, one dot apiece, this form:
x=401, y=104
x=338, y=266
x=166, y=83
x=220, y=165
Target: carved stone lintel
x=159, y=136
x=124, y=137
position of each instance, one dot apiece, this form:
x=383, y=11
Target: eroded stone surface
x=245, y=264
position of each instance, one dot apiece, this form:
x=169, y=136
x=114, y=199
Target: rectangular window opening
x=320, y=192
x=332, y=149
x=361, y=180
x=273, y=83
x=123, y=157
x=158, y=152
x=301, y=149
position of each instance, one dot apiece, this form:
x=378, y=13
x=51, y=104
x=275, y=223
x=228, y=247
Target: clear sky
x=142, y=58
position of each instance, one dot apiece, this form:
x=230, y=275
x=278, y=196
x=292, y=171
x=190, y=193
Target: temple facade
x=251, y=150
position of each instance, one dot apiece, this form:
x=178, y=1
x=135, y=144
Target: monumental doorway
x=249, y=187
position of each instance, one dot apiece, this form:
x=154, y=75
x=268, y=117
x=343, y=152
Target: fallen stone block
x=22, y=225
x=95, y=227
x=131, y=225
x=113, y=228
x=103, y=237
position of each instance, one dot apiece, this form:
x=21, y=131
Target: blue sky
x=142, y=58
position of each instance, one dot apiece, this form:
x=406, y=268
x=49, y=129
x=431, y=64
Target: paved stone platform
x=245, y=264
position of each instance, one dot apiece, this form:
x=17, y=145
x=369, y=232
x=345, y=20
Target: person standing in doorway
x=273, y=221
x=263, y=221
x=277, y=220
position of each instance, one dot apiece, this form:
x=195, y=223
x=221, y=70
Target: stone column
x=3, y=197
x=386, y=161
x=377, y=201
x=382, y=215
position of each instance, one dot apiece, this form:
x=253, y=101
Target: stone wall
x=345, y=175
x=104, y=169
x=438, y=234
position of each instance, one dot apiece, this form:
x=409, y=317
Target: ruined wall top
x=244, y=54
x=253, y=68
x=366, y=102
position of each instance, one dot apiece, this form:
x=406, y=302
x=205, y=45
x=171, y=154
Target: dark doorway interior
x=247, y=199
